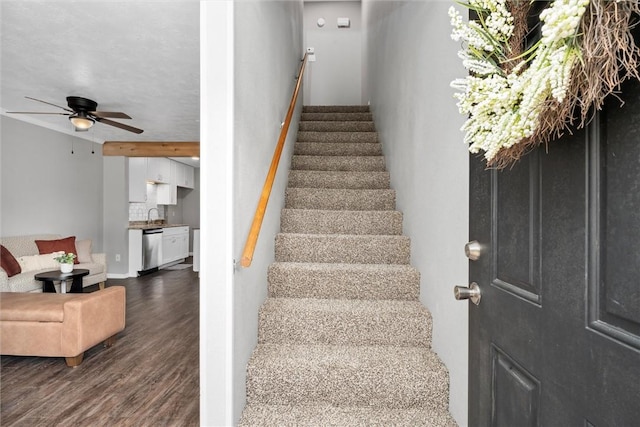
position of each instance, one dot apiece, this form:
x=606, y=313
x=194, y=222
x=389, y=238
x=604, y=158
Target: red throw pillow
x=9, y=263
x=68, y=245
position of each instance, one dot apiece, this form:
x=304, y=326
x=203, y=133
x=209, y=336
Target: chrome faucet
x=149, y=214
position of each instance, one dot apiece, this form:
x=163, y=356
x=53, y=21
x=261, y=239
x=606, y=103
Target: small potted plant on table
x=66, y=262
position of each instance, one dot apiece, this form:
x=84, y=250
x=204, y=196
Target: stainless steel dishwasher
x=151, y=249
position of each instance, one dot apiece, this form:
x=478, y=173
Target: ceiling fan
x=83, y=114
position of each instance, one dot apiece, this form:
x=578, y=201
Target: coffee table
x=48, y=277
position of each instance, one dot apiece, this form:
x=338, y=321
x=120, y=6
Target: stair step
x=339, y=248
x=344, y=322
x=335, y=108
x=262, y=415
x=339, y=179
x=310, y=136
x=338, y=163
x=377, y=376
x=337, y=126
x=353, y=281
x=338, y=148
x=314, y=221
x=340, y=199
x=336, y=116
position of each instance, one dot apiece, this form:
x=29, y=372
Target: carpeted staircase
x=343, y=339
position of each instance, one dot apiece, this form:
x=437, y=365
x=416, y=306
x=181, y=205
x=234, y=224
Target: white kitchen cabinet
x=175, y=243
x=167, y=194
x=189, y=176
x=184, y=244
x=159, y=170
x=138, y=179
x=168, y=174
x=135, y=252
x=185, y=176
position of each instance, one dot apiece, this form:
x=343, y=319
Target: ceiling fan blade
x=49, y=103
x=110, y=114
x=36, y=112
x=118, y=125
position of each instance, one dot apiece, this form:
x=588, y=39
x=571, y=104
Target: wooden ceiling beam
x=151, y=149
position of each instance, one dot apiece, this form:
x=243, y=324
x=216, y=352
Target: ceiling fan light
x=81, y=122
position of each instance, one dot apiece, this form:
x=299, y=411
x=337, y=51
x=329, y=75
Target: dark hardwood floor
x=150, y=377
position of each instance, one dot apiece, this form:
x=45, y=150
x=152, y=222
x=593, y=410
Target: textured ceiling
x=140, y=57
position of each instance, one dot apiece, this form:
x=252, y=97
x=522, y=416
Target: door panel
x=516, y=229
x=516, y=393
x=614, y=191
x=555, y=340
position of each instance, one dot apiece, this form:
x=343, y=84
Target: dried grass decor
x=523, y=91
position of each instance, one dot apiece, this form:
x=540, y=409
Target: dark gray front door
x=555, y=340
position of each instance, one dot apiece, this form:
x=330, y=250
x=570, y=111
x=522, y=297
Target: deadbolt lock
x=473, y=250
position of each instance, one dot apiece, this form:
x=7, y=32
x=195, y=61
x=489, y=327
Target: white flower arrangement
x=504, y=107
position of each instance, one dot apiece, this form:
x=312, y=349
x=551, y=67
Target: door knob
x=471, y=293
x=473, y=250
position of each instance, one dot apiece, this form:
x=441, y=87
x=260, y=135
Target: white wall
x=240, y=129
x=335, y=77
x=46, y=188
x=116, y=215
x=410, y=63
x=264, y=82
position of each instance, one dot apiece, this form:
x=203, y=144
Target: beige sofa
x=25, y=246
x=60, y=325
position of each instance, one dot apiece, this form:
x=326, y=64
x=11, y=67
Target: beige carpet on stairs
x=343, y=339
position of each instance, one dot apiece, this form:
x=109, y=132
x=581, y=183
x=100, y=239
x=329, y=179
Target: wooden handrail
x=254, y=232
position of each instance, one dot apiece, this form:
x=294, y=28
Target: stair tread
x=388, y=376
x=334, y=191
x=318, y=221
x=346, y=305
x=420, y=359
x=346, y=120
x=344, y=321
x=338, y=163
x=339, y=179
x=337, y=136
x=342, y=108
x=340, y=198
x=344, y=190
x=356, y=281
x=351, y=158
x=337, y=126
x=343, y=211
x=264, y=415
x=336, y=116
x=331, y=248
x=345, y=237
x=340, y=174
x=341, y=267
x=338, y=148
